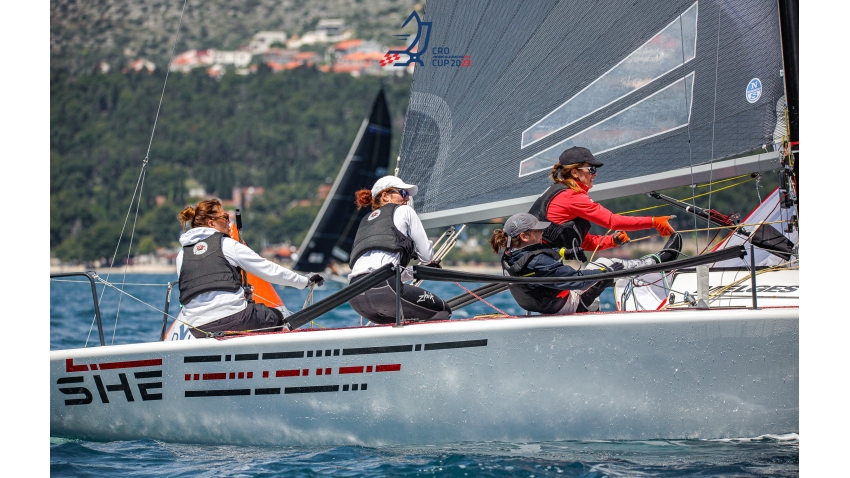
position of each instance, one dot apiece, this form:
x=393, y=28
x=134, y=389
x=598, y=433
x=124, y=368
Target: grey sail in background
x=665, y=93
x=332, y=234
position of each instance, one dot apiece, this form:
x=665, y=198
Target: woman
x=209, y=270
x=524, y=255
x=571, y=211
x=392, y=233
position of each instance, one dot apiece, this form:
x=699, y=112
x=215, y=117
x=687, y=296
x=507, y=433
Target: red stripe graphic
x=215, y=376
x=344, y=370
x=287, y=373
x=70, y=367
x=131, y=364
x=388, y=368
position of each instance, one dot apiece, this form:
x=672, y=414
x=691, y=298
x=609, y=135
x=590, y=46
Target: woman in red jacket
x=571, y=211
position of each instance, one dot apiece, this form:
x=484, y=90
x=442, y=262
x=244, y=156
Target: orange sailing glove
x=620, y=237
x=661, y=224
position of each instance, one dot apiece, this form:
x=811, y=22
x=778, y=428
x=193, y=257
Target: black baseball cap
x=577, y=154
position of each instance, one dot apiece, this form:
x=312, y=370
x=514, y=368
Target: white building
x=262, y=41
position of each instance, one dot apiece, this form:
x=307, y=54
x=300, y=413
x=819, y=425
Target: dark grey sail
x=664, y=92
x=332, y=233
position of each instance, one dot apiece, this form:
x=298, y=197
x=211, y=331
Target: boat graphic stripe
x=283, y=355
x=215, y=376
x=288, y=373
x=202, y=358
x=239, y=357
x=267, y=391
x=456, y=345
x=151, y=374
x=70, y=380
x=313, y=389
x=378, y=350
x=388, y=368
x=217, y=393
x=131, y=364
x=344, y=370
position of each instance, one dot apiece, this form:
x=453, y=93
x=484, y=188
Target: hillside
x=85, y=32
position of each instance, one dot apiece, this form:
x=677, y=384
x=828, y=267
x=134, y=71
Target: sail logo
x=374, y=215
x=200, y=248
x=441, y=55
x=754, y=90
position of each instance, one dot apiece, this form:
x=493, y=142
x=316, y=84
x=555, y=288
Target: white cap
x=393, y=182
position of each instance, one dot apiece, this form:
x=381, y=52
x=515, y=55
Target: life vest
x=205, y=269
x=569, y=234
x=539, y=299
x=377, y=231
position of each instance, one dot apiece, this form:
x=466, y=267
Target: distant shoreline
x=170, y=269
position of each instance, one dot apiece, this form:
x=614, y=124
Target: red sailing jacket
x=569, y=204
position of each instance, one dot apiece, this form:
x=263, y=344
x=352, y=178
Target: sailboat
x=331, y=235
x=662, y=93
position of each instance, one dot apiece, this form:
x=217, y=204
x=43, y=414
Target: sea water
x=137, y=316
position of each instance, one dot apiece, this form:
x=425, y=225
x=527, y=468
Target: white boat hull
x=638, y=375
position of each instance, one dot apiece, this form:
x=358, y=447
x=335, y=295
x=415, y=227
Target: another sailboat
x=660, y=105
x=331, y=236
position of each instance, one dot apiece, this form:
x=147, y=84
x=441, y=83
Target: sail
x=664, y=92
x=332, y=233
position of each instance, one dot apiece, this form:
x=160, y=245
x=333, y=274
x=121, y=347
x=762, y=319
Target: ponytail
x=199, y=215
x=498, y=241
x=561, y=174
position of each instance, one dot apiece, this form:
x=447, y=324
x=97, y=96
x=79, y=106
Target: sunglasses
x=404, y=194
x=589, y=169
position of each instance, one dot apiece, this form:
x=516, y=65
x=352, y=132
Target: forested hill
x=85, y=32
x=287, y=132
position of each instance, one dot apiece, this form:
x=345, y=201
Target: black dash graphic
x=266, y=391
x=456, y=345
x=217, y=393
x=153, y=374
x=378, y=350
x=418, y=347
x=70, y=380
x=227, y=358
x=239, y=357
x=283, y=355
x=363, y=387
x=202, y=358
x=314, y=389
x=345, y=388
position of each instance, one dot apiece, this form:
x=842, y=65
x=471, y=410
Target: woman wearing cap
x=524, y=255
x=392, y=233
x=571, y=211
x=208, y=268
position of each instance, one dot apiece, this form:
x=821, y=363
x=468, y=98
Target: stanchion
x=398, y=316
x=753, y=276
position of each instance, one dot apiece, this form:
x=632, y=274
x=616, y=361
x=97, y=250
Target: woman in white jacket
x=392, y=234
x=209, y=270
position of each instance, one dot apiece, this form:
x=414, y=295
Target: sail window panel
x=669, y=49
x=666, y=110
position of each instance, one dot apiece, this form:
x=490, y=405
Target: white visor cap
x=393, y=182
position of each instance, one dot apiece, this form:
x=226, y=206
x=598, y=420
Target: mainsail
x=665, y=92
x=332, y=233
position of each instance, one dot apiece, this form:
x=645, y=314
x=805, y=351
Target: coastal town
x=329, y=48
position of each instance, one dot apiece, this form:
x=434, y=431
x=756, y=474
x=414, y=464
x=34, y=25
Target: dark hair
x=198, y=216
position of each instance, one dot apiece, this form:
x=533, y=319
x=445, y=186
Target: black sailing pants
x=378, y=303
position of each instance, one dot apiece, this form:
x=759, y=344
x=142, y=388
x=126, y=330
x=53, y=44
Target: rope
x=482, y=300
x=694, y=197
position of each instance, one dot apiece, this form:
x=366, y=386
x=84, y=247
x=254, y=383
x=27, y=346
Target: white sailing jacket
x=210, y=306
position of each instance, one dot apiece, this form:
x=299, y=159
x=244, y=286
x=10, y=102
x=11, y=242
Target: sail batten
x=705, y=85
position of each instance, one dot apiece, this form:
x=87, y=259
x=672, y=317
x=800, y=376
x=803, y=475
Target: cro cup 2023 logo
x=441, y=55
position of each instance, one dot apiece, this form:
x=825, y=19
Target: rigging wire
x=713, y=123
x=139, y=181
x=690, y=149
